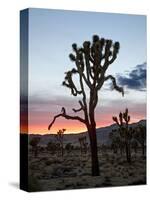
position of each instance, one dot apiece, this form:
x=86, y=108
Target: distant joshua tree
x=60, y=136
x=34, y=143
x=92, y=61
x=125, y=131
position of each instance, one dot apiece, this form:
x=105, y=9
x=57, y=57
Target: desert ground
x=50, y=171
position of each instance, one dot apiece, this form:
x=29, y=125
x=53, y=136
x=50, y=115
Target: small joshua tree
x=92, y=61
x=60, y=137
x=125, y=131
x=34, y=143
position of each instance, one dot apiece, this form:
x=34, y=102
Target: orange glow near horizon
x=70, y=126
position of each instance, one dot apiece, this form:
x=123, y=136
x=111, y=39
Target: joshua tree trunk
x=94, y=154
x=92, y=130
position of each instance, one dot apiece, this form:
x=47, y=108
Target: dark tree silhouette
x=60, y=136
x=34, y=143
x=92, y=61
x=125, y=131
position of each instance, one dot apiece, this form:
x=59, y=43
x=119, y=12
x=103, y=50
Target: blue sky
x=51, y=34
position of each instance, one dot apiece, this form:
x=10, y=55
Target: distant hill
x=102, y=135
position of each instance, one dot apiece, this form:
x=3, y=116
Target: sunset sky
x=51, y=34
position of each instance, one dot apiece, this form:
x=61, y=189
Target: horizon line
x=75, y=133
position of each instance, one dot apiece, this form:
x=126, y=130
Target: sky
x=51, y=34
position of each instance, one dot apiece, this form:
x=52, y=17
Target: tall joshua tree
x=91, y=63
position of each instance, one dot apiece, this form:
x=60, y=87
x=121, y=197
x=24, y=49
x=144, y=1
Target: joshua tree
x=34, y=143
x=92, y=61
x=60, y=137
x=125, y=131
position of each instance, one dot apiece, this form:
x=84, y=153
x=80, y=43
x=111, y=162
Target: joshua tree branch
x=81, y=107
x=96, y=100
x=84, y=102
x=100, y=81
x=77, y=110
x=116, y=87
x=82, y=74
x=68, y=82
x=110, y=55
x=116, y=48
x=73, y=89
x=66, y=116
x=78, y=59
x=112, y=59
x=87, y=63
